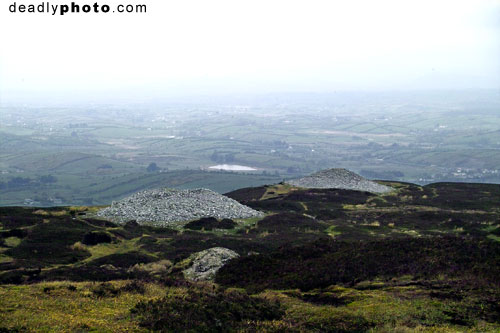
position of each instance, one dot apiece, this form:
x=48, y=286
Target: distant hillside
x=79, y=190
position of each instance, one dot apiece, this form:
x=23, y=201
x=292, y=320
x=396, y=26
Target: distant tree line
x=20, y=182
x=152, y=167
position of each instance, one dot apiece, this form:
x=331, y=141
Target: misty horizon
x=399, y=90
x=230, y=47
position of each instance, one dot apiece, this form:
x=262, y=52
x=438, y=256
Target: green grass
x=496, y=238
x=60, y=309
x=5, y=259
x=332, y=232
x=106, y=249
x=374, y=306
x=12, y=241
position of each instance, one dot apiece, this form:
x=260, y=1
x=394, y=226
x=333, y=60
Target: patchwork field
x=93, y=155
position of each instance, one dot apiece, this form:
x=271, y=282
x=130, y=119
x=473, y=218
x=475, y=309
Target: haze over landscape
x=390, y=89
x=223, y=47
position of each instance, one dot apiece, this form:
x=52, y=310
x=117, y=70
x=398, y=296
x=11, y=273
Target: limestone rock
x=207, y=262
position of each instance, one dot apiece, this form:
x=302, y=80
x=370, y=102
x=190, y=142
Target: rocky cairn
x=163, y=207
x=205, y=264
x=339, y=179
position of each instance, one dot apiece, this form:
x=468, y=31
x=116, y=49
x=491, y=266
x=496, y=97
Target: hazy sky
x=225, y=46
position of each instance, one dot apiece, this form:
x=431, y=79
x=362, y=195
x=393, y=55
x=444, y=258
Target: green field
x=418, y=137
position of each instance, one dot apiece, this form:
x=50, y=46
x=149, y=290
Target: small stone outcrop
x=206, y=263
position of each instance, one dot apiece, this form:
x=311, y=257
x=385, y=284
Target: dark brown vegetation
x=327, y=262
x=96, y=237
x=206, y=310
x=210, y=223
x=49, y=243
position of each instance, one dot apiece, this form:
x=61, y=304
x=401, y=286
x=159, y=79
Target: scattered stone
x=339, y=179
x=162, y=207
x=207, y=262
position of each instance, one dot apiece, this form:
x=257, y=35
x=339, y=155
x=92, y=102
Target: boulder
x=206, y=263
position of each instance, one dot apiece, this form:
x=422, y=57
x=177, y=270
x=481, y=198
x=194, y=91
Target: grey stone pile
x=339, y=179
x=163, y=207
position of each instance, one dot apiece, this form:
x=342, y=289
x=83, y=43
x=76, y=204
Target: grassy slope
x=51, y=306
x=418, y=298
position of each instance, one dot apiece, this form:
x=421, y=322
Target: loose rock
x=162, y=207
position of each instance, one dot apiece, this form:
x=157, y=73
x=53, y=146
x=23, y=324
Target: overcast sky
x=225, y=46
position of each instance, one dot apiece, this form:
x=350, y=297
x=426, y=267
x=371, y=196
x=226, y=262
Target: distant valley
x=95, y=154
